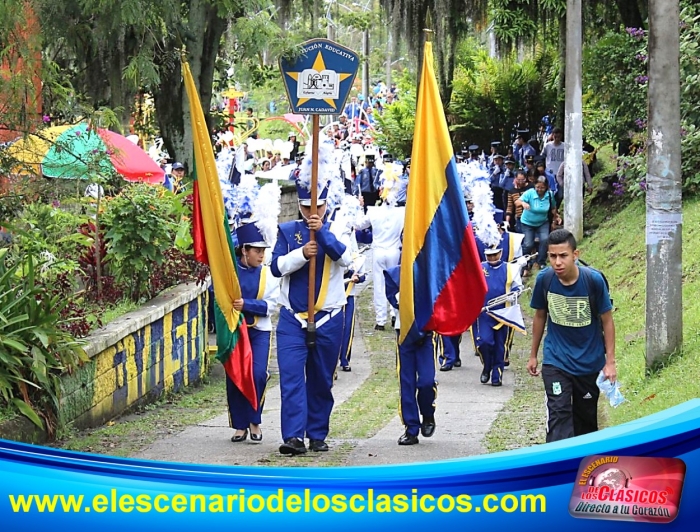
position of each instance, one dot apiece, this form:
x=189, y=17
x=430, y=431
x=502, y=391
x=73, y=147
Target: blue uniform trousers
x=306, y=375
x=417, y=386
x=241, y=413
x=450, y=350
x=348, y=332
x=492, y=345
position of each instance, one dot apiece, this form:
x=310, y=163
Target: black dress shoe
x=242, y=437
x=446, y=367
x=497, y=383
x=458, y=363
x=506, y=363
x=407, y=439
x=255, y=437
x=318, y=446
x=379, y=327
x=393, y=321
x=293, y=446
x=427, y=428
x=346, y=368
x=484, y=378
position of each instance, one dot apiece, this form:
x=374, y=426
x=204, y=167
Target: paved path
x=465, y=411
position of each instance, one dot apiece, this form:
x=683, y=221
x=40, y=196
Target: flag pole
x=311, y=323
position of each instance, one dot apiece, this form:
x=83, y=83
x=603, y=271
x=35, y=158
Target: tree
x=664, y=294
x=452, y=19
x=113, y=51
x=20, y=69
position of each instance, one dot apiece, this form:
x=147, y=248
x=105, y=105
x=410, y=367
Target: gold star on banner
x=318, y=66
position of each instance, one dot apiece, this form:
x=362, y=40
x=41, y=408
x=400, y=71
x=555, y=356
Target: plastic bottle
x=611, y=390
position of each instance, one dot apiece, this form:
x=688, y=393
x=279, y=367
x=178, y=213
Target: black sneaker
x=393, y=321
x=318, y=446
x=293, y=446
x=485, y=376
x=458, y=363
x=379, y=327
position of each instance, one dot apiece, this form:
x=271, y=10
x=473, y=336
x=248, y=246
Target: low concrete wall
x=159, y=348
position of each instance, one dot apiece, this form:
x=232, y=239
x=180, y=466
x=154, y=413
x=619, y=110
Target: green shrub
x=34, y=350
x=141, y=224
x=491, y=96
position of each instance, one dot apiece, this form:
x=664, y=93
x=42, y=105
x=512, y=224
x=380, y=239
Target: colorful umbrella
x=75, y=152
x=232, y=93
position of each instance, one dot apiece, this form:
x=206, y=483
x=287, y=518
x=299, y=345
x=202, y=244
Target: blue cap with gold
x=249, y=235
x=305, y=195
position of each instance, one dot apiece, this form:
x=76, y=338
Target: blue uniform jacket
x=291, y=237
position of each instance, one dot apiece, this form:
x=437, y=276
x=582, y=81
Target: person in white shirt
x=387, y=222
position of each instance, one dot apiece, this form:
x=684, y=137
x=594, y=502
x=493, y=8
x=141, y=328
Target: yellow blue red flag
x=213, y=246
x=442, y=286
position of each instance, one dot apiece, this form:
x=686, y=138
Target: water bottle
x=611, y=390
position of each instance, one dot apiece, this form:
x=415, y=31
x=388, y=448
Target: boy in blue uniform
x=416, y=368
x=492, y=338
x=306, y=373
x=260, y=291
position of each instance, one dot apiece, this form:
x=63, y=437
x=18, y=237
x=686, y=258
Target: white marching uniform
x=387, y=225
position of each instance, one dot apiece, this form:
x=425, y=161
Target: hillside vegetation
x=618, y=248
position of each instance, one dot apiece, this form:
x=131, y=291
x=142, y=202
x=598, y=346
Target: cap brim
x=256, y=244
x=307, y=202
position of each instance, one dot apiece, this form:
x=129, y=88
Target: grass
x=375, y=402
x=521, y=422
x=618, y=248
x=6, y=412
x=119, y=309
x=134, y=432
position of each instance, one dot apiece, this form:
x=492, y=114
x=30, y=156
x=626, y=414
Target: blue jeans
x=541, y=232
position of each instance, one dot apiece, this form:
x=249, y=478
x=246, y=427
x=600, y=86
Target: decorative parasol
x=74, y=152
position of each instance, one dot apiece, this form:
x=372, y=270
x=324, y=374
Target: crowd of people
x=362, y=201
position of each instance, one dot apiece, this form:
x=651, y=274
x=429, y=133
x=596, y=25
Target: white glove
x=522, y=262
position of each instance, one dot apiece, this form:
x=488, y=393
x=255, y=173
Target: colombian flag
x=213, y=246
x=442, y=284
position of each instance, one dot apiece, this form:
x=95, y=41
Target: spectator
x=573, y=302
x=537, y=203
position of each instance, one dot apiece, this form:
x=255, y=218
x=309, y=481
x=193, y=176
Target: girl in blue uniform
x=260, y=290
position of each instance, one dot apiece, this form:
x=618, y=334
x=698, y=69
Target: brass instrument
x=511, y=297
x=527, y=257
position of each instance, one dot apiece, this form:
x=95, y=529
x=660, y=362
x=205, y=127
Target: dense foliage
x=34, y=348
x=616, y=99
x=491, y=96
x=398, y=120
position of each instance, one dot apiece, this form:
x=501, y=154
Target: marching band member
x=259, y=290
x=354, y=276
x=416, y=368
x=492, y=337
x=306, y=372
